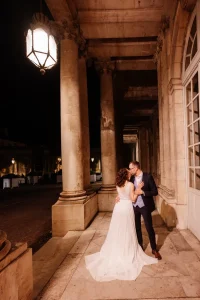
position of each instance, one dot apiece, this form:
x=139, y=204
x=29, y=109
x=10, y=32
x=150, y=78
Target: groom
x=144, y=204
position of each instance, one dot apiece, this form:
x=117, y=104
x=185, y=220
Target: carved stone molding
x=129, y=138
x=167, y=194
x=165, y=22
x=158, y=49
x=174, y=84
x=70, y=29
x=188, y=4
x=104, y=66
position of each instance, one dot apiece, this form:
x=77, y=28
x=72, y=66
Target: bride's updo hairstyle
x=121, y=178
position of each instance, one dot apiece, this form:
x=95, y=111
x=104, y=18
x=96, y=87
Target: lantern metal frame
x=40, y=21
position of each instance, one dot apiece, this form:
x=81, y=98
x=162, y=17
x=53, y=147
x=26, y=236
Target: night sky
x=30, y=107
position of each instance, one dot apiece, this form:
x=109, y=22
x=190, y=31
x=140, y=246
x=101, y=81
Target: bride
x=120, y=257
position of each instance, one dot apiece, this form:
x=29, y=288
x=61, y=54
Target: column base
x=108, y=187
x=73, y=213
x=73, y=196
x=106, y=198
x=172, y=213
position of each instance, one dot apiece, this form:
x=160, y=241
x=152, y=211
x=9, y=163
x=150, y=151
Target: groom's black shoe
x=157, y=254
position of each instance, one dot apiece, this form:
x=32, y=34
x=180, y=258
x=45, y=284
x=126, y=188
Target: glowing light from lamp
x=41, y=47
x=92, y=159
x=13, y=161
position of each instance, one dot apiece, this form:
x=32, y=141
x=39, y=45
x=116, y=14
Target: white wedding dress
x=120, y=257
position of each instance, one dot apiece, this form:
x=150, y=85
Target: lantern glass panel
x=40, y=40
x=52, y=48
x=29, y=42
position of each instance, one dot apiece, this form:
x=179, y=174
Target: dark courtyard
x=25, y=213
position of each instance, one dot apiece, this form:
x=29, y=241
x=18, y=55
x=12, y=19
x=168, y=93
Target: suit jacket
x=150, y=190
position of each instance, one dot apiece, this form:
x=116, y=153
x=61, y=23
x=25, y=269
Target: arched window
x=191, y=44
x=191, y=81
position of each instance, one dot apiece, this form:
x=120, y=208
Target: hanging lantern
x=41, y=47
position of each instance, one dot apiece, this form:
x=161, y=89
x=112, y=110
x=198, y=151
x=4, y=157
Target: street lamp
x=92, y=159
x=13, y=162
x=59, y=163
x=41, y=47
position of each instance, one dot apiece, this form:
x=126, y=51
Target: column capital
x=188, y=4
x=105, y=66
x=174, y=84
x=165, y=21
x=70, y=29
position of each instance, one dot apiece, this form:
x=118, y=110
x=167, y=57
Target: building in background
x=20, y=159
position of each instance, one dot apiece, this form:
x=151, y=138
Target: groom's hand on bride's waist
x=117, y=199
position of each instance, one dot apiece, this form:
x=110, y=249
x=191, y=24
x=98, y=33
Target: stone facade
x=172, y=200
x=139, y=48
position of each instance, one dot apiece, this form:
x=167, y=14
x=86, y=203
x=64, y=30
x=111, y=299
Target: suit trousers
x=146, y=214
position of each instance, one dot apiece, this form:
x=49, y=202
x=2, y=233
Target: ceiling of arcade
x=125, y=32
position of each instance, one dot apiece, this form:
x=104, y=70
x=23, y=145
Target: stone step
x=59, y=280
x=48, y=259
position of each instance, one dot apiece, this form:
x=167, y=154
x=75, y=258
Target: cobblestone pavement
x=25, y=213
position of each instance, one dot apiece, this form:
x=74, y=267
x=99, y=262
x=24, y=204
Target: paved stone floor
x=60, y=273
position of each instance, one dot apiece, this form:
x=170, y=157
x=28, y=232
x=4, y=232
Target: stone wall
x=172, y=199
x=16, y=279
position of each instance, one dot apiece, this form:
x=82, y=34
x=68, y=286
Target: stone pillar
x=172, y=154
x=176, y=90
x=144, y=149
x=85, y=122
x=73, y=210
x=137, y=150
x=106, y=197
x=162, y=120
x=108, y=148
x=71, y=131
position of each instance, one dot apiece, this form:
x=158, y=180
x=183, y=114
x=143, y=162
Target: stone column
x=71, y=131
x=74, y=209
x=108, y=147
x=144, y=149
x=160, y=113
x=106, y=197
x=176, y=90
x=85, y=122
x=137, y=150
